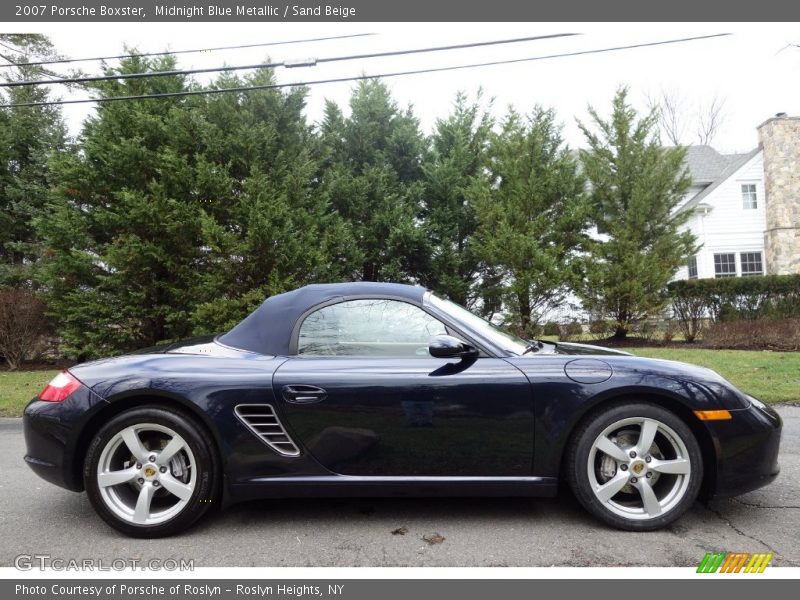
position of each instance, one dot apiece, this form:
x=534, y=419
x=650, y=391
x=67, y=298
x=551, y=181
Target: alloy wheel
x=146, y=474
x=639, y=468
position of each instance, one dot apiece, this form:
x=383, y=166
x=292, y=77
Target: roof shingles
x=709, y=168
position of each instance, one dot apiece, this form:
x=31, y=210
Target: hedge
x=695, y=301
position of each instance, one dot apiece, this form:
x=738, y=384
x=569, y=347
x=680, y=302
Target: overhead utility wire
x=196, y=50
x=13, y=63
x=362, y=77
x=304, y=63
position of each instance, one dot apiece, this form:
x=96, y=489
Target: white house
x=746, y=207
x=728, y=219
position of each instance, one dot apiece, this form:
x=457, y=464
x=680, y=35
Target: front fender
x=561, y=403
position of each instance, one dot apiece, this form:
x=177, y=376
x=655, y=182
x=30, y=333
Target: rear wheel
x=635, y=466
x=151, y=472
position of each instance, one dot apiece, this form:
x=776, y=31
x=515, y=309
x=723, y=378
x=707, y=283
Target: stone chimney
x=779, y=137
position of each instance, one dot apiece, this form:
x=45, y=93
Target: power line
x=363, y=77
x=309, y=62
x=196, y=50
x=12, y=63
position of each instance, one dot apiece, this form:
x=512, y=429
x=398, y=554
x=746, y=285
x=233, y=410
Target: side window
x=368, y=327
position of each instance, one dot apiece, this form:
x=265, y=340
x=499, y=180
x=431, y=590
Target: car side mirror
x=447, y=346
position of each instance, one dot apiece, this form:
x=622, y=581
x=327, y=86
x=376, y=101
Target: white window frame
x=742, y=263
x=749, y=196
x=735, y=265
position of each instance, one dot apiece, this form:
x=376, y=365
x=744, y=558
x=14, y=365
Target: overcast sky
x=752, y=70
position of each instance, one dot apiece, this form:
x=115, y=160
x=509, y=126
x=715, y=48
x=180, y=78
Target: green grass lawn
x=769, y=376
x=17, y=387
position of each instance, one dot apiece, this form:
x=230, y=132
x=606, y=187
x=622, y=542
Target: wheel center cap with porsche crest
x=150, y=471
x=637, y=468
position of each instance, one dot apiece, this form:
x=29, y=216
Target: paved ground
x=37, y=517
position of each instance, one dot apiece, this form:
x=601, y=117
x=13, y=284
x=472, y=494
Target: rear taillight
x=60, y=387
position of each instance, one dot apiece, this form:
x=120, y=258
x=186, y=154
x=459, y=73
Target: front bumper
x=54, y=447
x=747, y=449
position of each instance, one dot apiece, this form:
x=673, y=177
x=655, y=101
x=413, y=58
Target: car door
x=364, y=397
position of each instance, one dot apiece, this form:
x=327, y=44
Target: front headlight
x=728, y=396
x=755, y=402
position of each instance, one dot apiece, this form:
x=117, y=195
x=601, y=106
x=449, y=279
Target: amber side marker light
x=712, y=415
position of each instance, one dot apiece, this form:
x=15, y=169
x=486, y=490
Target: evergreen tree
x=266, y=228
x=178, y=216
x=454, y=172
x=122, y=234
x=28, y=136
x=636, y=185
x=372, y=180
x=532, y=220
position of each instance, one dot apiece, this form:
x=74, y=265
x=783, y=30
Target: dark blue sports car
x=366, y=389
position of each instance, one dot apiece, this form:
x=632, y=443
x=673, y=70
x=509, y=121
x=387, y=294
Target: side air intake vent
x=262, y=420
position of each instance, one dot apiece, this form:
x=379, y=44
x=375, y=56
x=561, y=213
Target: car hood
x=570, y=348
x=620, y=358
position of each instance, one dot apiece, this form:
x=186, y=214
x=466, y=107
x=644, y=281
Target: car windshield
x=490, y=331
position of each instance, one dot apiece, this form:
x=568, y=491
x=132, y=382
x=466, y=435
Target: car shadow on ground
x=430, y=508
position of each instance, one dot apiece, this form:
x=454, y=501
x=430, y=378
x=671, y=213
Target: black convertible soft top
x=268, y=328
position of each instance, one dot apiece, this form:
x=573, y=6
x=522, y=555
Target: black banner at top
x=49, y=11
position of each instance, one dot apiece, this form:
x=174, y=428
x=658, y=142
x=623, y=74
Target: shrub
x=551, y=328
x=765, y=334
x=732, y=299
x=569, y=331
x=644, y=330
x=600, y=328
x=22, y=324
x=690, y=312
x=669, y=330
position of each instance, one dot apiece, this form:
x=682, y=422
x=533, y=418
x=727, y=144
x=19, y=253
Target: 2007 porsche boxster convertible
x=386, y=389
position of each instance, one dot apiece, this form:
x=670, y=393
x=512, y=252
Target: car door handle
x=303, y=394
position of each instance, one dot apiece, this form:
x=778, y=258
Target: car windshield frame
x=498, y=337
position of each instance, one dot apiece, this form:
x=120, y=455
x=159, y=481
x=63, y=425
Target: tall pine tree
x=28, y=136
x=372, y=180
x=122, y=235
x=636, y=185
x=454, y=172
x=532, y=220
x=266, y=227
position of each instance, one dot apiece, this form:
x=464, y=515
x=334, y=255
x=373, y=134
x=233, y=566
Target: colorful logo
x=734, y=562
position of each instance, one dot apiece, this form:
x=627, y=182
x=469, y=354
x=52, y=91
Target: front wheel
x=635, y=466
x=151, y=472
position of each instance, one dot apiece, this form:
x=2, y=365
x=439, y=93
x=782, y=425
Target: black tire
x=577, y=462
x=198, y=440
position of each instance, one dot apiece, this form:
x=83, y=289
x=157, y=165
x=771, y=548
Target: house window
x=751, y=263
x=749, y=198
x=725, y=265
x=693, y=268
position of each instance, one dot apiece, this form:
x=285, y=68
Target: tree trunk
x=524, y=312
x=620, y=333
x=369, y=272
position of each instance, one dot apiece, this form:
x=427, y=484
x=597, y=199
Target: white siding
x=728, y=226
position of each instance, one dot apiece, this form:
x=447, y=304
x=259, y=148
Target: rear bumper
x=747, y=452
x=52, y=437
